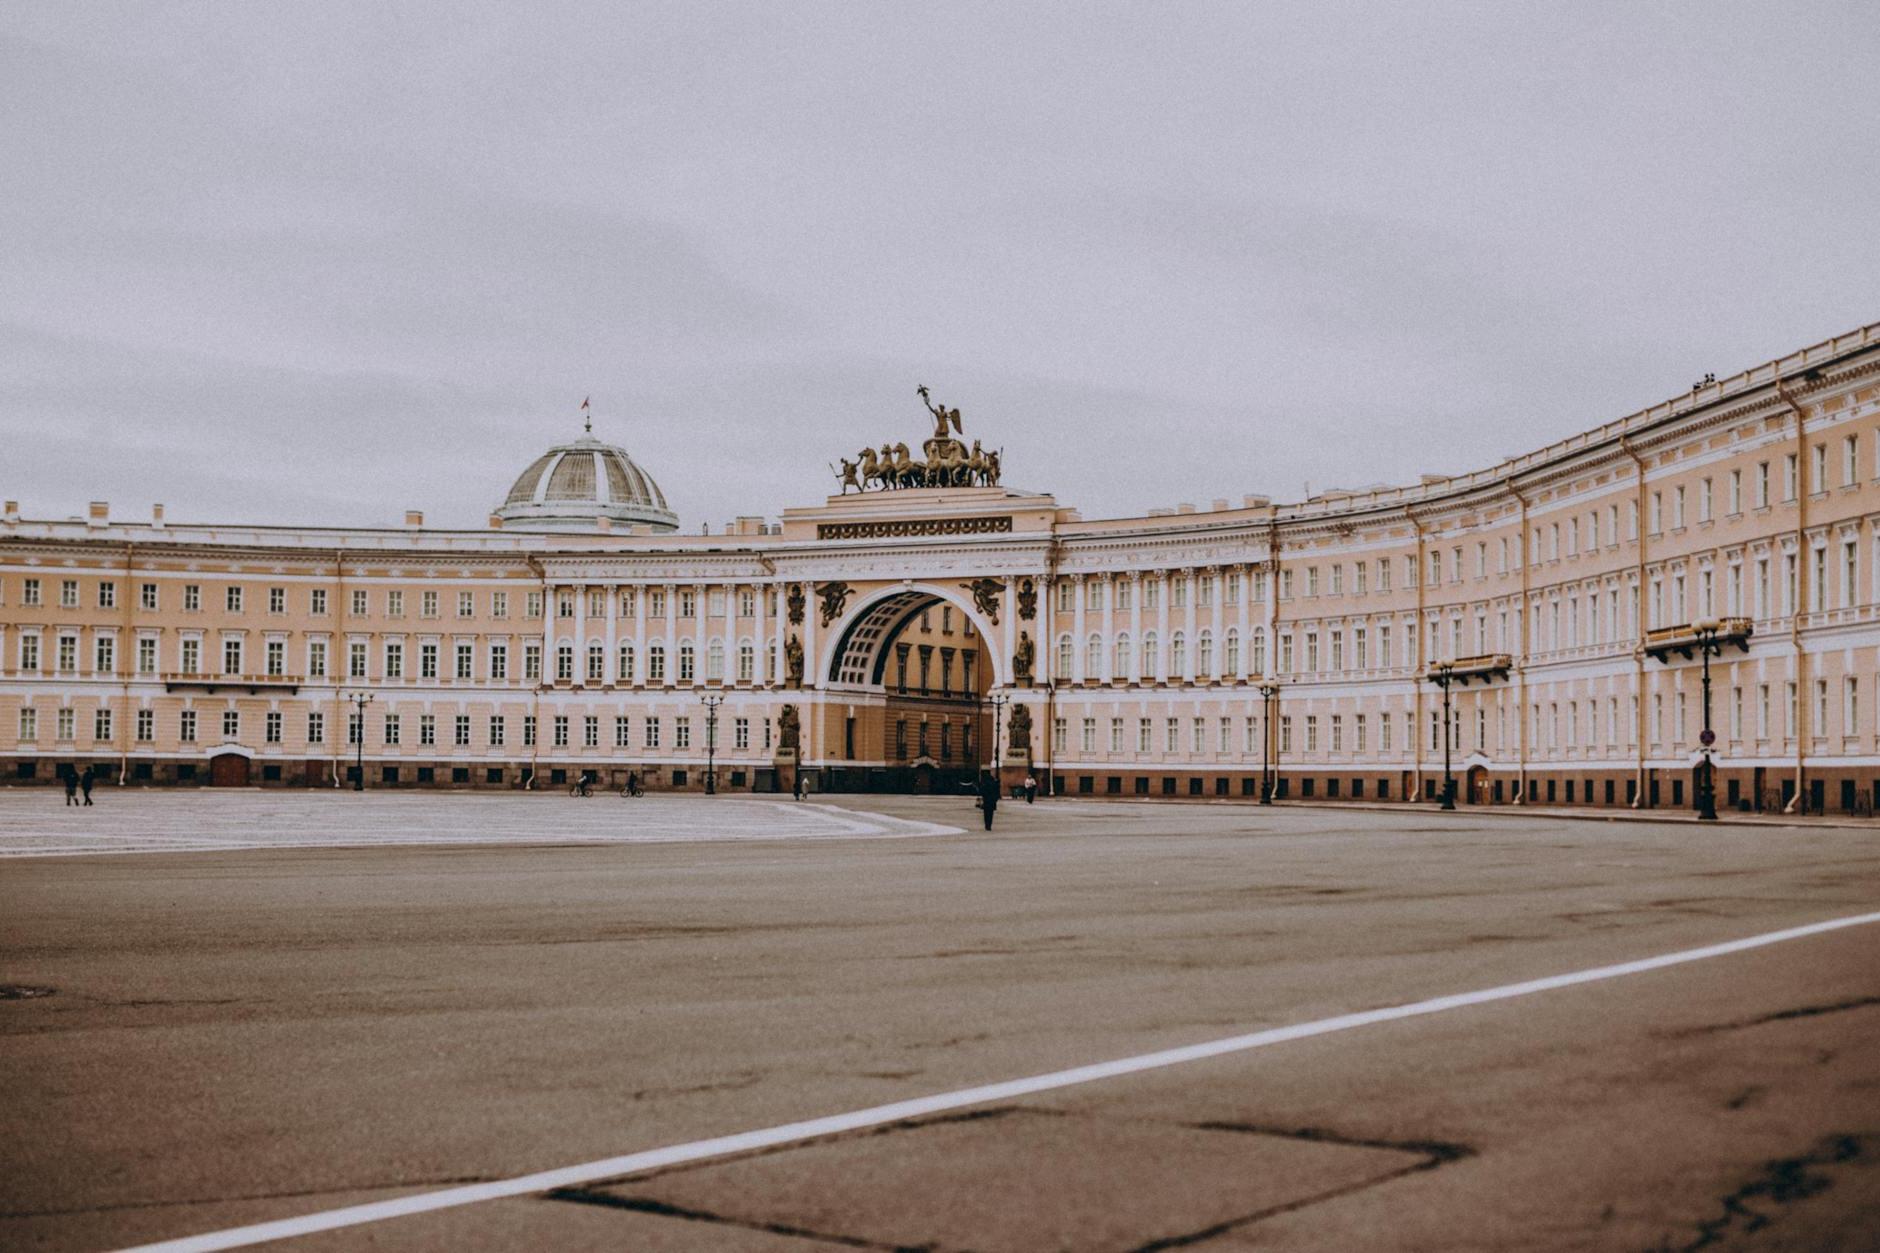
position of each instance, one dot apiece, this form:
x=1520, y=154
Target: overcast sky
x=324, y=262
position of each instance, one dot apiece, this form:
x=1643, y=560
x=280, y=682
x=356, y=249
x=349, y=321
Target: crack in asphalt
x=1784, y=1181
x=1781, y=1015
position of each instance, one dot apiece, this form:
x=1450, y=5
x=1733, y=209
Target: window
x=1736, y=491
x=741, y=731
x=277, y=600
x=1850, y=461
x=192, y=597
x=528, y=729
x=1142, y=735
x=316, y=728
x=499, y=604
x=316, y=658
x=394, y=604
x=1677, y=507
x=466, y=604
x=68, y=594
x=68, y=723
x=688, y=603
x=1116, y=735
x=277, y=657
x=356, y=659
x=591, y=731
x=625, y=661
x=499, y=661
x=715, y=661
x=394, y=659
x=231, y=656
x=564, y=663
x=747, y=662
x=1089, y=736
x=532, y=661
x=651, y=727
x=747, y=608
x=359, y=602
x=427, y=729
x=427, y=604
x=656, y=662
x=561, y=731
x=532, y=605
x=1703, y=501
x=104, y=654
x=596, y=662
x=391, y=729
x=147, y=655
x=107, y=595
x=497, y=730
x=316, y=600
x=1312, y=733
x=147, y=725
x=1791, y=476
x=101, y=724
x=231, y=724
x=1818, y=468
x=427, y=659
x=29, y=592
x=688, y=657
x=466, y=660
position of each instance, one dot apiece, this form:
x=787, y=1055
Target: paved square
x=247, y=1034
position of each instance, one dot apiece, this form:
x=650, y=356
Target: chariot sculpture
x=946, y=460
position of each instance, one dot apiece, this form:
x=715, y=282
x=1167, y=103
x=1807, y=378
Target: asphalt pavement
x=238, y=1035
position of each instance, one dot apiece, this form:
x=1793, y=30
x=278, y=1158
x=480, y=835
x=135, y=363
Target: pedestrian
x=1031, y=789
x=84, y=781
x=71, y=786
x=797, y=783
x=633, y=783
x=988, y=796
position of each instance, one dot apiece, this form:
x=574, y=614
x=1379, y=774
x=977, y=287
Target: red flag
x=584, y=401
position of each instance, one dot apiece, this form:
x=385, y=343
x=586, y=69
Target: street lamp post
x=1704, y=795
x=1269, y=693
x=1444, y=673
x=359, y=701
x=998, y=701
x=711, y=701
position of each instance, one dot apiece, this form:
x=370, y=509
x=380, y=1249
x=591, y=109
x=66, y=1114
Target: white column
x=1009, y=612
x=702, y=604
x=672, y=636
x=1080, y=589
x=1134, y=658
x=1161, y=631
x=612, y=664
x=760, y=665
x=1047, y=631
x=1193, y=577
x=639, y=633
x=1246, y=624
x=580, y=634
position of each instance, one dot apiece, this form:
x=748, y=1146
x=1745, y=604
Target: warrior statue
x=1022, y=659
x=848, y=475
x=789, y=728
x=943, y=417
x=1018, y=730
x=792, y=662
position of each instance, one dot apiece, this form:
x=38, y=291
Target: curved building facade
x=1543, y=623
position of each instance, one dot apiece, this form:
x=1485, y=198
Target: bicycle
x=581, y=787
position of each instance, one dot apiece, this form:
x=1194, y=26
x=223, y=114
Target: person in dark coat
x=71, y=786
x=84, y=781
x=988, y=796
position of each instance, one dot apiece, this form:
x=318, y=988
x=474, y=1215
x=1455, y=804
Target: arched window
x=626, y=663
x=747, y=661
x=1178, y=655
x=715, y=661
x=656, y=662
x=597, y=662
x=1093, y=658
x=1151, y=668
x=1120, y=668
x=1066, y=658
x=1230, y=659
x=1204, y=656
x=688, y=661
x=1258, y=666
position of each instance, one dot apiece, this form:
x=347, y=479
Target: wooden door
x=228, y=770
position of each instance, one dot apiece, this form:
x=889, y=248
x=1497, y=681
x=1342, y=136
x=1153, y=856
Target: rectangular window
x=101, y=724
x=561, y=730
x=466, y=604
x=277, y=657
x=394, y=659
x=68, y=594
x=499, y=604
x=68, y=723
x=651, y=728
x=231, y=656
x=316, y=658
x=277, y=600
x=499, y=661
x=466, y=660
x=271, y=727
x=591, y=731
x=427, y=604
x=532, y=605
x=104, y=654
x=391, y=729
x=316, y=728
x=498, y=730
x=146, y=725
x=360, y=602
x=532, y=662
x=356, y=659
x=394, y=603
x=29, y=592
x=741, y=732
x=427, y=660
x=107, y=595
x=427, y=729
x=462, y=731
x=528, y=730
x=316, y=600
x=192, y=597
x=231, y=724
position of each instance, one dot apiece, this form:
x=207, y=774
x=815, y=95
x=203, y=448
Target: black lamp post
x=1443, y=674
x=1269, y=697
x=998, y=701
x=1704, y=795
x=711, y=701
x=359, y=701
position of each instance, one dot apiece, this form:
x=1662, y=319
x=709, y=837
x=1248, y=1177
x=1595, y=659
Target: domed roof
x=572, y=485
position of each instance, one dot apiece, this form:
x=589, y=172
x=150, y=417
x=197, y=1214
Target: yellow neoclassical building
x=1538, y=630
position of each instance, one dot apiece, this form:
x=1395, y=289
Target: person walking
x=84, y=781
x=1031, y=789
x=71, y=786
x=797, y=784
x=988, y=796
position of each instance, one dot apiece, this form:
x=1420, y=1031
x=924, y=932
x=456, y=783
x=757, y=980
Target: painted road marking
x=878, y=1115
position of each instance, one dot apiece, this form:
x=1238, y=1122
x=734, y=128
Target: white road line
x=875, y=1116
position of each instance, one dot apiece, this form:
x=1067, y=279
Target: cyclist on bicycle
x=584, y=786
